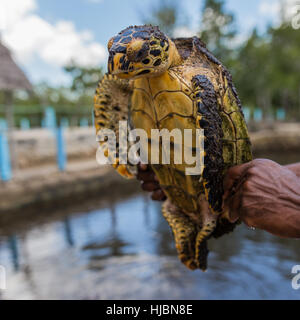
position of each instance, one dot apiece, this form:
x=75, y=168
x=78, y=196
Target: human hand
x=264, y=195
x=150, y=183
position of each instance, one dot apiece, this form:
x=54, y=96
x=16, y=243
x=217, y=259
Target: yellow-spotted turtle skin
x=162, y=83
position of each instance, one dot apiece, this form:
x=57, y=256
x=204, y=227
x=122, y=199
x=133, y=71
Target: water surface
x=125, y=250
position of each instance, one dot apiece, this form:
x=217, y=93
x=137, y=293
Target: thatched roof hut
x=11, y=76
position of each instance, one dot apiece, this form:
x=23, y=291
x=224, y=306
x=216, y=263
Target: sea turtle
x=163, y=83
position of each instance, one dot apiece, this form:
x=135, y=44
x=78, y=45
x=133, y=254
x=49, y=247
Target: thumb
x=234, y=206
x=233, y=177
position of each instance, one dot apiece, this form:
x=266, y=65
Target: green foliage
x=251, y=72
x=285, y=67
x=217, y=28
x=73, y=102
x=267, y=70
x=70, y=102
x=165, y=14
x=84, y=80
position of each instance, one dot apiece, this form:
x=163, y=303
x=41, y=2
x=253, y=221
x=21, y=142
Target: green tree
x=266, y=70
x=217, y=28
x=285, y=68
x=84, y=79
x=165, y=14
x=251, y=72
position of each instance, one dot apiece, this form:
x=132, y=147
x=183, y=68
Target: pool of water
x=125, y=250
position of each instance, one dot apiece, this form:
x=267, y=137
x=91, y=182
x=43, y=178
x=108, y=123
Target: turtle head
x=139, y=51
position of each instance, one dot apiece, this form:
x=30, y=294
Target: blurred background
x=72, y=229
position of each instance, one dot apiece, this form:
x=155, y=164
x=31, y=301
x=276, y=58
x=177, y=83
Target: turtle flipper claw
x=184, y=231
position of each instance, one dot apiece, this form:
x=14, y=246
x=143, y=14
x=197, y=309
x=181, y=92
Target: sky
x=45, y=35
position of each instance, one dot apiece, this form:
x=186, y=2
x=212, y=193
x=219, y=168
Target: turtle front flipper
x=111, y=105
x=184, y=231
x=209, y=119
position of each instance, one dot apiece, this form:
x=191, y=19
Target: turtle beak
x=116, y=59
x=118, y=63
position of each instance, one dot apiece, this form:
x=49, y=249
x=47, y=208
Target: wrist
x=291, y=210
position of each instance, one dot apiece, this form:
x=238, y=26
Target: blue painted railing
x=50, y=118
x=5, y=164
x=61, y=149
x=25, y=124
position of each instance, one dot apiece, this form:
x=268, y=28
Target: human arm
x=264, y=195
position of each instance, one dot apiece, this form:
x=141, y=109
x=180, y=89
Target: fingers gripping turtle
x=111, y=106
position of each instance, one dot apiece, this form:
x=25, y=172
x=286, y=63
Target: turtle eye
x=110, y=43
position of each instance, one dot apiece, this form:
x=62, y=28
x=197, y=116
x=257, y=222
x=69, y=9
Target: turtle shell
x=169, y=102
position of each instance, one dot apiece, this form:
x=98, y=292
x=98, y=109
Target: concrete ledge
x=38, y=146
x=286, y=137
x=49, y=189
